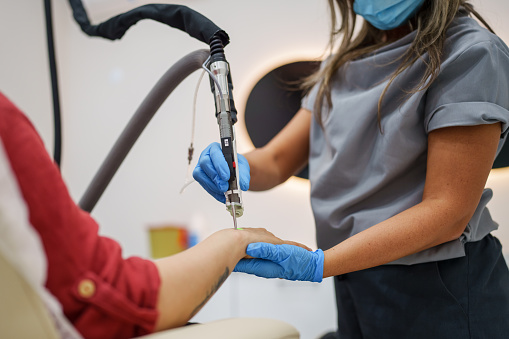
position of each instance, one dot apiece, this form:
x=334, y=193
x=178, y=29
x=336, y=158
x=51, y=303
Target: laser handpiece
x=226, y=115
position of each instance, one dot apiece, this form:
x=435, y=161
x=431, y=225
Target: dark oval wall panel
x=274, y=101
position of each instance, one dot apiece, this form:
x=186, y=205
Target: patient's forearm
x=190, y=278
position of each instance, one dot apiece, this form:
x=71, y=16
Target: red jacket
x=102, y=294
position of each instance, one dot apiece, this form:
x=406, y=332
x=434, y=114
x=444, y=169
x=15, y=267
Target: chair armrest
x=234, y=328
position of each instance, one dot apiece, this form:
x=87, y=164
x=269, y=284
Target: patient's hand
x=253, y=235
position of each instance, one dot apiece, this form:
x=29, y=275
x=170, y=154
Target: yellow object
x=86, y=288
x=167, y=240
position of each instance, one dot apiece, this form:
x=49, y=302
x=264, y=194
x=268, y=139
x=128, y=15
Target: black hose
x=57, y=152
x=216, y=46
x=177, y=16
x=162, y=89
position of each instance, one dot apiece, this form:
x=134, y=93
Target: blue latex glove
x=282, y=261
x=212, y=172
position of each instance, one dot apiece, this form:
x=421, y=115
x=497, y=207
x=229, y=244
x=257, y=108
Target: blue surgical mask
x=387, y=14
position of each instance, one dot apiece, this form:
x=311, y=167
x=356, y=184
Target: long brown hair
x=430, y=23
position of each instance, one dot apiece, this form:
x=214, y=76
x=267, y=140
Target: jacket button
x=86, y=288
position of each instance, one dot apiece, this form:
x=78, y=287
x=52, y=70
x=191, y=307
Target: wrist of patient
x=235, y=242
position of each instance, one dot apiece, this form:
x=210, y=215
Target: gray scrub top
x=360, y=177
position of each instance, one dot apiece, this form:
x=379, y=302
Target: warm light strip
x=498, y=176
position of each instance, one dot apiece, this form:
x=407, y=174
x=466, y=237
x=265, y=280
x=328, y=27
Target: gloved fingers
x=275, y=253
x=294, y=263
x=214, y=184
x=208, y=167
x=208, y=184
x=244, y=173
x=260, y=268
x=219, y=164
x=205, y=172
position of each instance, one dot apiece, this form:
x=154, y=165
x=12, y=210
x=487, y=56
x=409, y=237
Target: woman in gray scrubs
x=400, y=129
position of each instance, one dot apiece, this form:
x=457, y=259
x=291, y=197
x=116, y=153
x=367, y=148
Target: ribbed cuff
x=318, y=277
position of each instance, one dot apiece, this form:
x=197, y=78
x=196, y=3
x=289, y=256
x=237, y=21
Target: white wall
x=102, y=83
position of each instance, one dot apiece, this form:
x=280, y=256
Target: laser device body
x=226, y=115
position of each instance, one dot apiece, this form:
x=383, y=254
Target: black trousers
x=466, y=297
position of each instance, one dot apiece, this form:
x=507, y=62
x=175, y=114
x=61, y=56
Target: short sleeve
x=472, y=89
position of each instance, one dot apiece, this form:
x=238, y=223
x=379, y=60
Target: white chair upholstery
x=22, y=312
x=233, y=328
